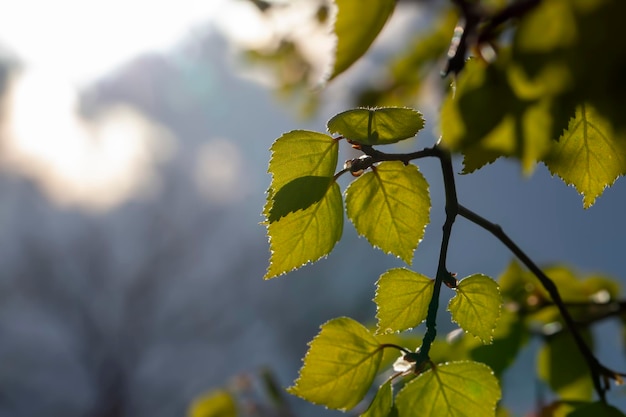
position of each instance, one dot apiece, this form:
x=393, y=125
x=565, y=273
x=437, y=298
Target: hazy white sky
x=85, y=39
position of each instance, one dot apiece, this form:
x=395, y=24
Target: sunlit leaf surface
x=340, y=366
x=356, y=27
x=402, y=298
x=454, y=389
x=304, y=210
x=297, y=154
x=377, y=126
x=306, y=235
x=590, y=155
x=382, y=403
x=390, y=206
x=476, y=306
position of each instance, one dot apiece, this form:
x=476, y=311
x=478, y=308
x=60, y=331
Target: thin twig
x=600, y=374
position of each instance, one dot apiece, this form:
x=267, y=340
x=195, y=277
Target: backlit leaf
x=476, y=306
x=390, y=206
x=356, y=26
x=306, y=235
x=304, y=210
x=402, y=298
x=459, y=389
x=297, y=154
x=340, y=366
x=379, y=126
x=216, y=404
x=382, y=403
x=590, y=155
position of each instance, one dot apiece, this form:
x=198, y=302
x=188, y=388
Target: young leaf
x=215, y=404
x=459, y=389
x=382, y=403
x=304, y=210
x=340, y=365
x=356, y=27
x=379, y=126
x=306, y=235
x=402, y=298
x=295, y=155
x=390, y=206
x=590, y=155
x=476, y=306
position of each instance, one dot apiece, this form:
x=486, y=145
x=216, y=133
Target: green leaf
x=597, y=409
x=590, y=155
x=402, y=299
x=485, y=118
x=382, y=403
x=476, y=306
x=296, y=154
x=356, y=26
x=564, y=368
x=298, y=194
x=304, y=210
x=390, y=206
x=379, y=126
x=216, y=404
x=340, y=366
x=306, y=235
x=510, y=335
x=459, y=389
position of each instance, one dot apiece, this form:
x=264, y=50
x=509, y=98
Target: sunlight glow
x=86, y=39
x=64, y=46
x=96, y=163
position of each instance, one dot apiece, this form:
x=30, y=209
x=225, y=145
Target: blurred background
x=134, y=146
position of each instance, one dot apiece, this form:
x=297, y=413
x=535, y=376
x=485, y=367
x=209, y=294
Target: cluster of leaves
x=549, y=93
x=552, y=96
x=389, y=205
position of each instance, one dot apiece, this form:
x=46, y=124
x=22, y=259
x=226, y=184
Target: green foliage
x=382, y=404
x=379, y=126
x=340, y=366
x=304, y=223
x=519, y=105
x=215, y=404
x=390, y=206
x=547, y=95
x=402, y=298
x=460, y=389
x=476, y=306
x=356, y=27
x=564, y=369
x=590, y=155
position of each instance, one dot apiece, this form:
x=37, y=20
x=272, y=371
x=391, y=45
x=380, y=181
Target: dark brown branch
x=600, y=374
